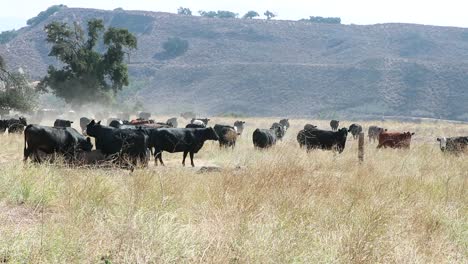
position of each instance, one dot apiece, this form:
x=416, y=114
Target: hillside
x=280, y=68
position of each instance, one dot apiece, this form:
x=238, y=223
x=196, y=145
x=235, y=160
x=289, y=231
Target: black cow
x=84, y=121
x=227, y=135
x=355, y=130
x=284, y=123
x=16, y=128
x=199, y=121
x=280, y=130
x=172, y=122
x=334, y=124
x=129, y=144
x=309, y=127
x=374, y=132
x=62, y=123
x=453, y=144
x=265, y=138
x=187, y=140
x=116, y=123
x=322, y=139
x=239, y=125
x=202, y=125
x=62, y=140
x=3, y=126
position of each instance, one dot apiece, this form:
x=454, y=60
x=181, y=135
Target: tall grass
x=275, y=206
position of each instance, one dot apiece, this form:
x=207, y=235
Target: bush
x=324, y=20
x=44, y=15
x=184, y=11
x=219, y=14
x=175, y=46
x=250, y=15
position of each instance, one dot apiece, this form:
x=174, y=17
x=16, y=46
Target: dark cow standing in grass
x=239, y=125
x=62, y=123
x=129, y=144
x=186, y=140
x=280, y=130
x=16, y=126
x=395, y=140
x=322, y=139
x=265, y=138
x=334, y=124
x=453, y=144
x=227, y=135
x=355, y=130
x=374, y=132
x=61, y=140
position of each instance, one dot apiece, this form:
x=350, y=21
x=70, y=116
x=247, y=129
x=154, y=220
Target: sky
x=14, y=13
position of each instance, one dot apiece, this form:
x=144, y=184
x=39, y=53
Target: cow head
x=442, y=143
x=92, y=128
x=239, y=125
x=279, y=130
x=284, y=123
x=309, y=127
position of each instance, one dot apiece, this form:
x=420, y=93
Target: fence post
x=361, y=147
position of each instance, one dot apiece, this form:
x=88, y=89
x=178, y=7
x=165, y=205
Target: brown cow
x=395, y=139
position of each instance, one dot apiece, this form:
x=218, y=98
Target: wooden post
x=361, y=147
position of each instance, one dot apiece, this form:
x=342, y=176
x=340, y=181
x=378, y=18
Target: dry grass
x=283, y=205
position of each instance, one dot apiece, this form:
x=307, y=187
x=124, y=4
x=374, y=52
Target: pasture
x=279, y=205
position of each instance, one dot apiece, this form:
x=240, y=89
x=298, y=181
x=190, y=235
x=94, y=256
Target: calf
x=124, y=143
x=395, y=140
x=334, y=124
x=355, y=130
x=453, y=144
x=63, y=140
x=62, y=123
x=265, y=138
x=322, y=139
x=186, y=140
x=374, y=132
x=227, y=135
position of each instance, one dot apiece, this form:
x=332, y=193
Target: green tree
x=208, y=13
x=87, y=75
x=226, y=14
x=250, y=15
x=269, y=15
x=184, y=11
x=15, y=91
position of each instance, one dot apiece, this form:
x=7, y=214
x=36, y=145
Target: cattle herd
x=129, y=143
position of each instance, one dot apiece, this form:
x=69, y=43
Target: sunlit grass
x=278, y=206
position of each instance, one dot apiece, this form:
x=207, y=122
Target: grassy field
x=281, y=205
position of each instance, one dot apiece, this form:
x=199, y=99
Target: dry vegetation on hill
x=271, y=68
x=283, y=205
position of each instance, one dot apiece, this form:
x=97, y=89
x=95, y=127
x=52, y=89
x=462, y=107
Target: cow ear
x=92, y=122
x=71, y=122
x=99, y=122
x=438, y=139
x=412, y=133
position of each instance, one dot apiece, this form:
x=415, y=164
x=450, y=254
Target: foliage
x=15, y=91
x=184, y=11
x=8, y=35
x=219, y=14
x=87, y=75
x=269, y=15
x=324, y=20
x=250, y=15
x=175, y=46
x=44, y=15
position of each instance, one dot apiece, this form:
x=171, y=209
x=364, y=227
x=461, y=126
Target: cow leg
x=185, y=156
x=26, y=154
x=191, y=159
x=160, y=158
